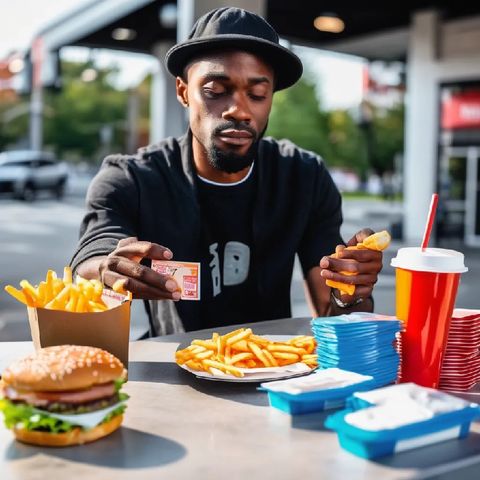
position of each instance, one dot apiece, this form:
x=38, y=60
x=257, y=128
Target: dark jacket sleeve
x=112, y=210
x=322, y=232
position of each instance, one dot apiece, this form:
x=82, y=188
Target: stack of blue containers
x=361, y=342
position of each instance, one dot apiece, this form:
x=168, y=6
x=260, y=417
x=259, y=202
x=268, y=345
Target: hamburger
x=63, y=395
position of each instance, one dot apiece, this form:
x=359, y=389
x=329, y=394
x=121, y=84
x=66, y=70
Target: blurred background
x=390, y=98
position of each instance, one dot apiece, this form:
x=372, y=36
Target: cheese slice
x=85, y=420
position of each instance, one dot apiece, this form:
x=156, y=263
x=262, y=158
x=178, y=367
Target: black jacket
x=152, y=196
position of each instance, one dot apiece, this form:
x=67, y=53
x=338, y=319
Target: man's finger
x=363, y=256
x=330, y=263
x=138, y=288
x=360, y=279
x=136, y=251
x=126, y=241
x=137, y=271
x=360, y=236
x=352, y=266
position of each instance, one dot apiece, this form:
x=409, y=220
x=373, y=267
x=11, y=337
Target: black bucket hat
x=238, y=29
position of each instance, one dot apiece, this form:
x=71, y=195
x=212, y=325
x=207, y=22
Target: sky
x=339, y=76
x=20, y=19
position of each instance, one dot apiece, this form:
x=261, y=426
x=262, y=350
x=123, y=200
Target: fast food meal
x=241, y=349
x=63, y=395
x=55, y=293
x=378, y=241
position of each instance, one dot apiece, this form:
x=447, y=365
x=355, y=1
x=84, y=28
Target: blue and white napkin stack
x=365, y=343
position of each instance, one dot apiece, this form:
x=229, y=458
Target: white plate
x=258, y=374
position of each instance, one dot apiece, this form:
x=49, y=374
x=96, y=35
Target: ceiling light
x=329, y=22
x=123, y=34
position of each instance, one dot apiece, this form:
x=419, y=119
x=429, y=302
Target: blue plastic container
x=373, y=444
x=315, y=401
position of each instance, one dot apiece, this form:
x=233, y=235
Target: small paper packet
x=326, y=379
x=186, y=274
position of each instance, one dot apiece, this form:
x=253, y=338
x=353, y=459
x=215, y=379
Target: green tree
x=75, y=116
x=387, y=137
x=296, y=115
x=13, y=121
x=347, y=142
x=335, y=135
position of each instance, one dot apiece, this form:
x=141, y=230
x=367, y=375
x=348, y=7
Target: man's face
x=230, y=97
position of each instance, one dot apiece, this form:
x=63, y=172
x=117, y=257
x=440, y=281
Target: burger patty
x=75, y=409
x=77, y=397
x=69, y=408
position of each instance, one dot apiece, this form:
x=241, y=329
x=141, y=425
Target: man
x=222, y=195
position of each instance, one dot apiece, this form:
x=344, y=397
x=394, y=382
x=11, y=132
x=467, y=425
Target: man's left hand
x=365, y=265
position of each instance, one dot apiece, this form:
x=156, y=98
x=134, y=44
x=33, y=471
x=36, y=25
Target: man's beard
x=231, y=162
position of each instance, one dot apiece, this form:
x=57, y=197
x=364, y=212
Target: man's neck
x=207, y=171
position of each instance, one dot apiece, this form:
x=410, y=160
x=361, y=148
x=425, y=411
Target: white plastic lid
x=431, y=260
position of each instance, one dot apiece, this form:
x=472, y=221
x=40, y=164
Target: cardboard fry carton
x=109, y=329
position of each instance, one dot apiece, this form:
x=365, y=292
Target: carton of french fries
x=63, y=310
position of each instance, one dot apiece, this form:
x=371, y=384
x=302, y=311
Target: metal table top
x=177, y=426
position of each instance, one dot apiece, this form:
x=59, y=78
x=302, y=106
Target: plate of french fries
x=242, y=356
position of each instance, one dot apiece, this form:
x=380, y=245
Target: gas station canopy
x=137, y=25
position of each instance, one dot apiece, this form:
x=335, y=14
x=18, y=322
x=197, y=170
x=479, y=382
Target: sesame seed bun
x=77, y=436
x=63, y=368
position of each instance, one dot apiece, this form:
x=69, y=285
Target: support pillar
x=421, y=123
x=167, y=116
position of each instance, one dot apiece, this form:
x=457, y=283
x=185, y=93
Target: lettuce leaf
x=114, y=413
x=119, y=382
x=23, y=416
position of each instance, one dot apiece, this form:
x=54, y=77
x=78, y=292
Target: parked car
x=24, y=173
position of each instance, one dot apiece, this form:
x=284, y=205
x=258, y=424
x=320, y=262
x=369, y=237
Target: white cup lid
x=431, y=260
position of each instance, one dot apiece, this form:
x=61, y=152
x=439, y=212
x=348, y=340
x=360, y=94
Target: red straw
x=431, y=218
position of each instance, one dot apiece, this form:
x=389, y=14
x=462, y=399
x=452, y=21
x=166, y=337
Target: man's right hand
x=123, y=265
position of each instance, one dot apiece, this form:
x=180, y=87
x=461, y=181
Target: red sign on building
x=461, y=110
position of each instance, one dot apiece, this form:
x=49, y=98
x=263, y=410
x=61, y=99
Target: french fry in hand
x=56, y=293
x=345, y=288
x=241, y=349
x=377, y=241
x=118, y=286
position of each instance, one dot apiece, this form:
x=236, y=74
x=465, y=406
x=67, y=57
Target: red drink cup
x=426, y=288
